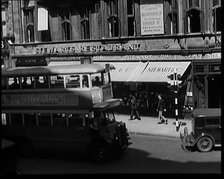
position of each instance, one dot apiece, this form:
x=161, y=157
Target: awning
x=125, y=71
x=56, y=63
x=145, y=71
x=158, y=71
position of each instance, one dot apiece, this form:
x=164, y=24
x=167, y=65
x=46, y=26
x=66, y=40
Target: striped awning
x=158, y=71
x=125, y=71
x=145, y=71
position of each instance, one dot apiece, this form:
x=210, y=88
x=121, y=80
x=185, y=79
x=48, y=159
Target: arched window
x=112, y=19
x=216, y=17
x=85, y=30
x=131, y=18
x=171, y=21
x=66, y=30
x=29, y=24
x=65, y=24
x=30, y=33
x=194, y=20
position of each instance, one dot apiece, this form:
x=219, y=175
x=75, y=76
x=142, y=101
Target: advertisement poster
x=151, y=18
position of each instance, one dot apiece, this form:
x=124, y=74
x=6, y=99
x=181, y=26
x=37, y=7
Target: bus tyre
x=205, y=144
x=100, y=152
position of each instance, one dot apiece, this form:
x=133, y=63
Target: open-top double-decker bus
x=62, y=106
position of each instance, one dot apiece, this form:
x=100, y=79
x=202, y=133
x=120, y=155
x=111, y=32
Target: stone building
x=145, y=40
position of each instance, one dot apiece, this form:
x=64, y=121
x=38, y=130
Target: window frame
x=214, y=18
x=112, y=18
x=66, y=27
x=29, y=21
x=172, y=19
x=131, y=17
x=191, y=10
x=84, y=23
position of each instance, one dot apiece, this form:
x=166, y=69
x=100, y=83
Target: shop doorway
x=214, y=91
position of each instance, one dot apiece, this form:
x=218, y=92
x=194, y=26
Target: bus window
x=4, y=83
x=30, y=119
x=59, y=119
x=27, y=82
x=76, y=120
x=17, y=119
x=73, y=81
x=41, y=82
x=100, y=116
x=96, y=79
x=106, y=78
x=85, y=81
x=44, y=119
x=13, y=83
x=109, y=116
x=57, y=81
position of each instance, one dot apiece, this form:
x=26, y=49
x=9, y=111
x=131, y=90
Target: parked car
x=206, y=130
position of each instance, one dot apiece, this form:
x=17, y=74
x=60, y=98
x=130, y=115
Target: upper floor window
x=3, y=18
x=193, y=3
x=216, y=15
x=194, y=16
x=112, y=19
x=85, y=30
x=171, y=21
x=66, y=25
x=29, y=24
x=131, y=18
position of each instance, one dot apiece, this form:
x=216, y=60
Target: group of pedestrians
x=134, y=105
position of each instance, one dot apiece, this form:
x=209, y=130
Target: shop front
x=208, y=83
x=137, y=68
x=148, y=79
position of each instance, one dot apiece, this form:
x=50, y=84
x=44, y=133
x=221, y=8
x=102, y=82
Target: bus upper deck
x=47, y=87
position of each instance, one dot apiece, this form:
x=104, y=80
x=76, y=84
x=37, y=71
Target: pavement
x=148, y=125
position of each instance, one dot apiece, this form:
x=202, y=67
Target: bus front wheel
x=101, y=152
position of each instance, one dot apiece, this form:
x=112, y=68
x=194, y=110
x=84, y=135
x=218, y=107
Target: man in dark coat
x=161, y=108
x=134, y=109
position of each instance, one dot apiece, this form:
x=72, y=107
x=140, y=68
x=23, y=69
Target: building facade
x=145, y=40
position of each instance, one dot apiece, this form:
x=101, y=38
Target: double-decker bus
x=67, y=106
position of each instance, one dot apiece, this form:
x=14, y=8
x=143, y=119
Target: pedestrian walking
x=134, y=108
x=161, y=109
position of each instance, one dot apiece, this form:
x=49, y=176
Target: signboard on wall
x=42, y=19
x=151, y=18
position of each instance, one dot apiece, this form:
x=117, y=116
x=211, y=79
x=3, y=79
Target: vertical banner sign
x=42, y=19
x=151, y=18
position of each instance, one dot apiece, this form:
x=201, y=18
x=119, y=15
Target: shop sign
x=151, y=18
x=91, y=48
x=158, y=57
x=31, y=61
x=87, y=48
